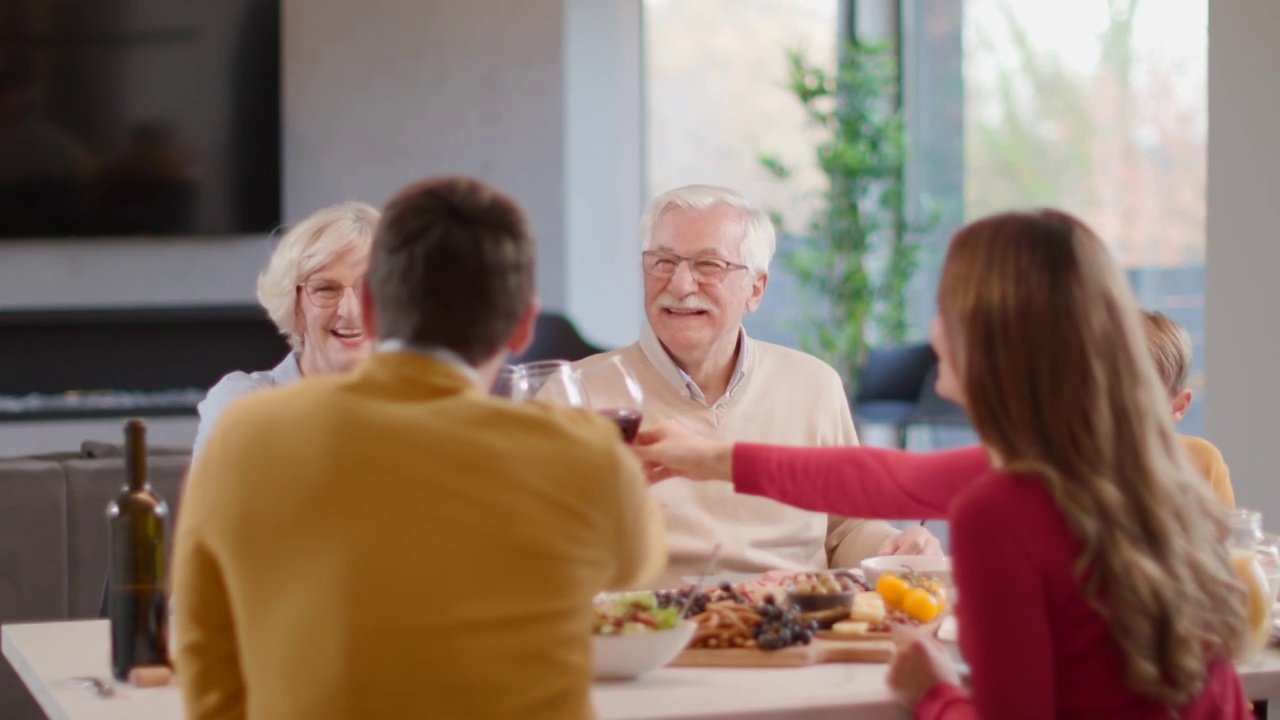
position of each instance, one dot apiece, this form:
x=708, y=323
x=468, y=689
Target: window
x=715, y=101
x=1095, y=106
x=1098, y=107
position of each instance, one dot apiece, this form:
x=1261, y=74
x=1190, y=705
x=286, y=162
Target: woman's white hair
x=342, y=230
x=758, y=241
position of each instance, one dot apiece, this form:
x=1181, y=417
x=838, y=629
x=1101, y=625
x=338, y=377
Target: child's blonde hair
x=1170, y=346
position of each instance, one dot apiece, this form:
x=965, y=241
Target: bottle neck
x=136, y=478
x=135, y=456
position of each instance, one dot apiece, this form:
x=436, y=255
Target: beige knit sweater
x=779, y=396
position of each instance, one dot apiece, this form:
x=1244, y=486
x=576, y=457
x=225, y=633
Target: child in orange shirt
x=1170, y=346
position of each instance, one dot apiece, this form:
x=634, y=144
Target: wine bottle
x=137, y=520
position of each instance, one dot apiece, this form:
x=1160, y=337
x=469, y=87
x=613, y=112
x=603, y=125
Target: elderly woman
x=311, y=290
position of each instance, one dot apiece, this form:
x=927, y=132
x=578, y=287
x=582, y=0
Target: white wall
x=604, y=167
x=129, y=272
x=1242, y=337
x=379, y=95
x=539, y=97
x=31, y=438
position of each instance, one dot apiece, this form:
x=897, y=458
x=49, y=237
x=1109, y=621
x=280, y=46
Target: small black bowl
x=824, y=602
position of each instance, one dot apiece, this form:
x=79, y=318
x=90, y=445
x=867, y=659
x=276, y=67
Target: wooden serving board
x=818, y=652
x=934, y=627
x=853, y=637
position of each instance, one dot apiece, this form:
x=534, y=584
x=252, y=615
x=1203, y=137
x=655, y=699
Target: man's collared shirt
x=661, y=359
x=444, y=355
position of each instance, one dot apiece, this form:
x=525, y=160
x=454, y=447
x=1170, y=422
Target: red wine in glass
x=627, y=420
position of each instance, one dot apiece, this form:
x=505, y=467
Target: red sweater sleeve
x=1006, y=628
x=858, y=481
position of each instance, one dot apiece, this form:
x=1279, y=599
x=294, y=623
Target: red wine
x=137, y=605
x=628, y=421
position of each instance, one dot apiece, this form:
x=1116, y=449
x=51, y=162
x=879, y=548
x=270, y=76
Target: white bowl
x=623, y=657
x=939, y=566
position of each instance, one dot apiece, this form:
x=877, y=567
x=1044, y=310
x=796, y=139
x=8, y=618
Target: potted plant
x=859, y=251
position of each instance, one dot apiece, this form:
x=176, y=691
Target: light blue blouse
x=236, y=385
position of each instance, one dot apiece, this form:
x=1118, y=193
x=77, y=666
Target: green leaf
x=859, y=253
x=776, y=168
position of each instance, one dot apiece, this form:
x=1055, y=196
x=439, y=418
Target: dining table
x=50, y=658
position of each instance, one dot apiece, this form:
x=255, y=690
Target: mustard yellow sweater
x=1208, y=460
x=394, y=543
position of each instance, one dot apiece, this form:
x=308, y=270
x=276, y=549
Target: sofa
x=53, y=550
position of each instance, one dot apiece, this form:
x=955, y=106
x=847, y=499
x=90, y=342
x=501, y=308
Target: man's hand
x=915, y=540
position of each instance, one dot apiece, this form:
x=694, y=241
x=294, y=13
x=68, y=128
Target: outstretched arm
x=858, y=481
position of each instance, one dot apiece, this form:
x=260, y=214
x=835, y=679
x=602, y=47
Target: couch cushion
x=90, y=486
x=33, y=549
x=33, y=561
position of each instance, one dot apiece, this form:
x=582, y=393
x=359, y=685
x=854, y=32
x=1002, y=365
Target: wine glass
x=547, y=381
x=613, y=391
x=503, y=385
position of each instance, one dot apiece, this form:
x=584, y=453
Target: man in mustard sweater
x=395, y=542
x=705, y=259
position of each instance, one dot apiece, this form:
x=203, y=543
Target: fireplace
x=107, y=363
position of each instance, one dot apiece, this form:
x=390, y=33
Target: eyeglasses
x=705, y=270
x=328, y=293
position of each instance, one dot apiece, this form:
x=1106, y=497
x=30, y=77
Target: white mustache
x=667, y=301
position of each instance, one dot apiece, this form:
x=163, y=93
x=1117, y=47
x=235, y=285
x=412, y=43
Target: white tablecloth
x=47, y=655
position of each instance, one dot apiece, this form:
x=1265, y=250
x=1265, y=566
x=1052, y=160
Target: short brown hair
x=1170, y=346
x=452, y=266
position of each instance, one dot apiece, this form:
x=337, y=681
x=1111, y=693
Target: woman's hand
x=669, y=450
x=920, y=663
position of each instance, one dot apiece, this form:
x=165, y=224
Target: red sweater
x=1035, y=647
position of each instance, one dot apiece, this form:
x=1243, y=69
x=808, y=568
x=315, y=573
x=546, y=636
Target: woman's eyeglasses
x=328, y=293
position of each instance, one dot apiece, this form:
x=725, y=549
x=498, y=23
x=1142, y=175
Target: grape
x=782, y=627
x=697, y=599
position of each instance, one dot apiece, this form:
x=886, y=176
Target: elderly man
x=706, y=259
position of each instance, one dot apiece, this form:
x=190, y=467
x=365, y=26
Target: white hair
x=342, y=230
x=758, y=241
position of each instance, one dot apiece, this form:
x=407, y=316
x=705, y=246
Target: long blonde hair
x=1050, y=351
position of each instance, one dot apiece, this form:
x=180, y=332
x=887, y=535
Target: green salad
x=633, y=613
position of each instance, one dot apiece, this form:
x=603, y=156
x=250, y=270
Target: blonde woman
x=311, y=290
x=1090, y=562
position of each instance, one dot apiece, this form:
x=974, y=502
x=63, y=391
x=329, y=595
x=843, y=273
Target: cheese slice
x=850, y=627
x=868, y=607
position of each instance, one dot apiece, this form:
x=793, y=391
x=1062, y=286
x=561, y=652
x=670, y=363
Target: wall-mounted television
x=139, y=118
